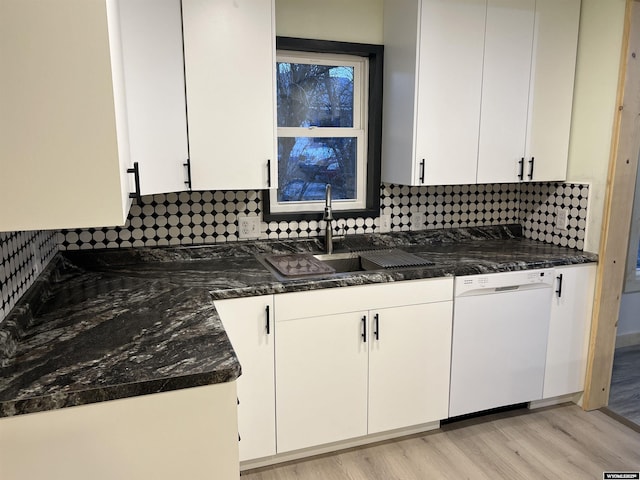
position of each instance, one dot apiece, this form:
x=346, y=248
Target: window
x=329, y=121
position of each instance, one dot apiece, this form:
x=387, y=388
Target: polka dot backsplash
x=451, y=206
x=23, y=255
x=190, y=218
x=538, y=212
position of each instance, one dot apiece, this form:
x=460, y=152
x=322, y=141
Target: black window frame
x=375, y=54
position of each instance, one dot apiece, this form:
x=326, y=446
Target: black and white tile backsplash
x=189, y=218
x=451, y=206
x=538, y=205
x=23, y=255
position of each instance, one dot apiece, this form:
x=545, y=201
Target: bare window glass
x=307, y=164
x=311, y=95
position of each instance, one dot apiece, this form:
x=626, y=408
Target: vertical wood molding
x=623, y=164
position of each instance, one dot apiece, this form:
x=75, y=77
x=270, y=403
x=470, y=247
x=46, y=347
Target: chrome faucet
x=328, y=218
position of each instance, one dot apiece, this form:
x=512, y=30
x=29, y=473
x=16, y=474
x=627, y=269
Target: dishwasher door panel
x=499, y=349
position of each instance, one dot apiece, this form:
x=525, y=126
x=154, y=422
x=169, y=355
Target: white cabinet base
x=190, y=433
x=337, y=446
x=549, y=402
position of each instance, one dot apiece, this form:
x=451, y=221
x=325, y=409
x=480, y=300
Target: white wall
x=342, y=20
x=599, y=47
x=629, y=319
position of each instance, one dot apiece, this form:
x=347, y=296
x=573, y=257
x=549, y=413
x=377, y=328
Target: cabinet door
x=409, y=363
x=64, y=149
x=230, y=78
x=551, y=96
x=249, y=325
x=569, y=331
x=154, y=79
x=449, y=84
x=433, y=79
x=321, y=380
x=505, y=89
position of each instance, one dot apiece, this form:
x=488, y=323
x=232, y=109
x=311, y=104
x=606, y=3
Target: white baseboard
x=548, y=402
x=336, y=446
x=628, y=339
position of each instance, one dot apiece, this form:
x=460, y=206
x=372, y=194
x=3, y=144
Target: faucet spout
x=328, y=218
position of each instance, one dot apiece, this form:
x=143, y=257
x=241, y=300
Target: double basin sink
x=301, y=265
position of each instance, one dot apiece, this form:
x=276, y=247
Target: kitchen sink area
x=307, y=265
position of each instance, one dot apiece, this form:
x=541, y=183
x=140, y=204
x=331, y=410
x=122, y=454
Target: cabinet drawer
x=362, y=297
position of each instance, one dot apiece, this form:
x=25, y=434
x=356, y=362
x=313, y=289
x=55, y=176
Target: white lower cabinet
x=409, y=362
x=345, y=370
x=250, y=327
x=188, y=433
x=355, y=361
x=569, y=330
x=321, y=372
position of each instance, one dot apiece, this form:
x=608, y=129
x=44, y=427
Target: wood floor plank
x=624, y=396
x=552, y=443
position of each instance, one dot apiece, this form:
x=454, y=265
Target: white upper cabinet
x=230, y=82
x=433, y=80
x=527, y=93
x=154, y=78
x=64, y=148
x=478, y=91
x=551, y=95
x=505, y=89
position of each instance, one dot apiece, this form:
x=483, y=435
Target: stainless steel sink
x=342, y=262
x=371, y=260
x=304, y=265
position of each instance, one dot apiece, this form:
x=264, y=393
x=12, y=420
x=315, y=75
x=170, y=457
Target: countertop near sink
x=107, y=324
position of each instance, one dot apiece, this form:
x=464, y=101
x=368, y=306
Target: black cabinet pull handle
x=268, y=320
x=422, y=171
x=136, y=176
x=269, y=173
x=188, y=180
x=376, y=332
x=531, y=162
x=559, y=290
x=521, y=164
x=364, y=329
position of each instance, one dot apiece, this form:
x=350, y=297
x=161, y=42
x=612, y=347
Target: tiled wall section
x=538, y=208
x=23, y=255
x=211, y=217
x=451, y=206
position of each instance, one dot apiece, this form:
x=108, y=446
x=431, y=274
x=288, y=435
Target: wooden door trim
x=623, y=164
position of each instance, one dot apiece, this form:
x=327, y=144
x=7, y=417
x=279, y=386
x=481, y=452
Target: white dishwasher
x=500, y=328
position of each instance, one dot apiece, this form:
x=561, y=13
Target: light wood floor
x=624, y=396
x=561, y=442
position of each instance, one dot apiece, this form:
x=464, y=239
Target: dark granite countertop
x=107, y=324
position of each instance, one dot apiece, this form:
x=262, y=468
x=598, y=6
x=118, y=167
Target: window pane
x=315, y=95
x=306, y=165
